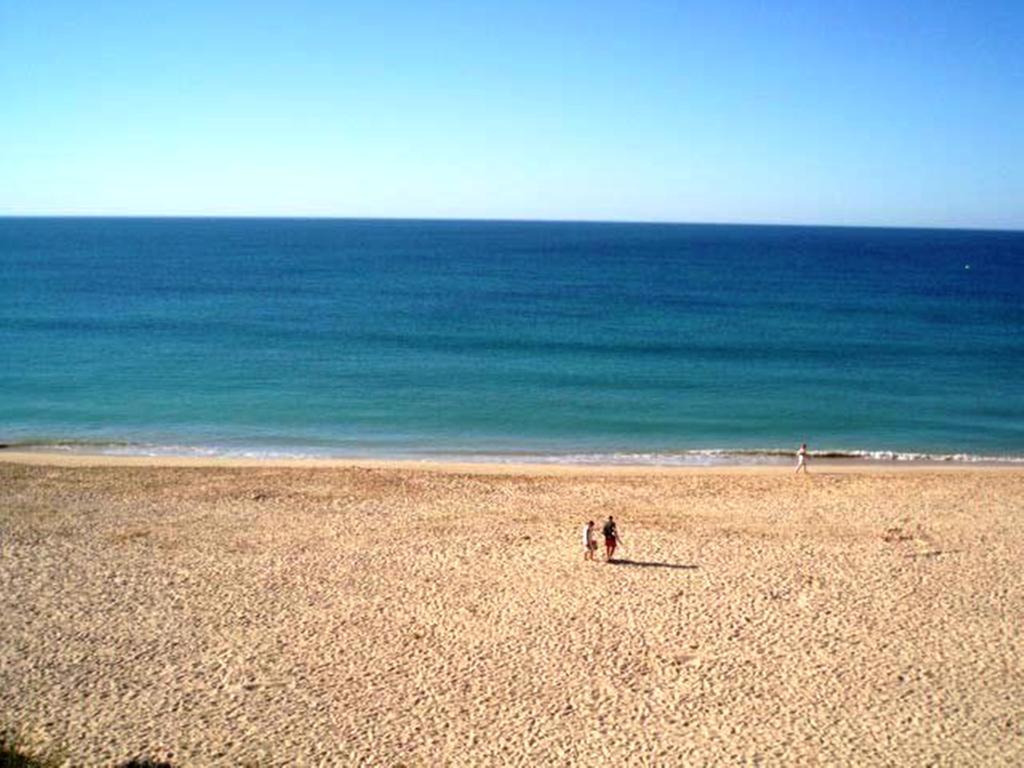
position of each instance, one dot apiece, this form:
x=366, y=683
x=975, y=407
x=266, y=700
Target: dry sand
x=386, y=615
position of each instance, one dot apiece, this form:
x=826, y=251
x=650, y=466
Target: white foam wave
x=693, y=457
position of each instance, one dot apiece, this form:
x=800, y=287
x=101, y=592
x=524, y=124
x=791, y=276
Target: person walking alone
x=801, y=458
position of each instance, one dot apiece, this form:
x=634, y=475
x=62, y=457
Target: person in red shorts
x=611, y=538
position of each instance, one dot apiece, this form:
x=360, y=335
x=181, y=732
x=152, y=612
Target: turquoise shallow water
x=552, y=341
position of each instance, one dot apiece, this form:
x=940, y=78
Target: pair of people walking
x=611, y=539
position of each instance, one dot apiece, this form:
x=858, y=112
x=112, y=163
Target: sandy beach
x=206, y=613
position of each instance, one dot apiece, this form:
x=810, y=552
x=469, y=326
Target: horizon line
x=501, y=220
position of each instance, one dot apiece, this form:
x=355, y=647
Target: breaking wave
x=695, y=457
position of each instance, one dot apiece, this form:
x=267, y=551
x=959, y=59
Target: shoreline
x=824, y=466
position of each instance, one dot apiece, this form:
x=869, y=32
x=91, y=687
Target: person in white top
x=801, y=458
x=589, y=542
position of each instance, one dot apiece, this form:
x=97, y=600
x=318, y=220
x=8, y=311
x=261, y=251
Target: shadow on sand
x=934, y=553
x=646, y=564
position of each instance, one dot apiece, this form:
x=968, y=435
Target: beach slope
x=212, y=615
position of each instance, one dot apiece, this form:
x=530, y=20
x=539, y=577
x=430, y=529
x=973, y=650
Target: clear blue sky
x=870, y=112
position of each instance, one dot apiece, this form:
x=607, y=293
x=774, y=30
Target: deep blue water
x=345, y=337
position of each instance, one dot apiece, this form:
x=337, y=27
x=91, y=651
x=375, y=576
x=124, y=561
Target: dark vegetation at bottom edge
x=13, y=757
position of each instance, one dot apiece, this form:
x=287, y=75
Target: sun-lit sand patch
x=398, y=616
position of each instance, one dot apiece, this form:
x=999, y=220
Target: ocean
x=525, y=341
